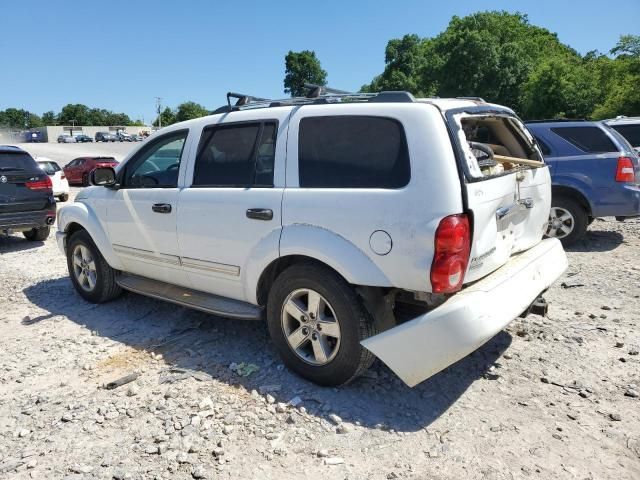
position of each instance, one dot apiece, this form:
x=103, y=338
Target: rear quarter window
x=630, y=132
x=352, y=152
x=587, y=139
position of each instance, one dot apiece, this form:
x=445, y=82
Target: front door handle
x=260, y=213
x=161, y=207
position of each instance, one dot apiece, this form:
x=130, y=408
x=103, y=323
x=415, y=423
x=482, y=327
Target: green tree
x=167, y=116
x=300, y=68
x=19, y=118
x=190, y=110
x=627, y=45
x=77, y=114
x=560, y=88
x=49, y=118
x=405, y=61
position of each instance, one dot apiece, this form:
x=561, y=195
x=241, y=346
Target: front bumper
x=421, y=347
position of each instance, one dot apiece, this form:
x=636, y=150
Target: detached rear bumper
x=431, y=342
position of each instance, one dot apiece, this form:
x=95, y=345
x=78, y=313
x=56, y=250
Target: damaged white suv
x=358, y=225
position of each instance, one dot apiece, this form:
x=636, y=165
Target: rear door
x=509, y=203
x=230, y=212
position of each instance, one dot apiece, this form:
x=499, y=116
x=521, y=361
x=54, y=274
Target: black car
x=83, y=138
x=105, y=137
x=26, y=196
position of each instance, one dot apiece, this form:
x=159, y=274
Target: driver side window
x=157, y=164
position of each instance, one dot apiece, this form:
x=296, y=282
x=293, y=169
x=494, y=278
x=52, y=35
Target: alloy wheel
x=310, y=327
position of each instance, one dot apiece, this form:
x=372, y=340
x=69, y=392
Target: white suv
x=357, y=225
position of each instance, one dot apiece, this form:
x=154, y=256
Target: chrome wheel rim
x=84, y=268
x=561, y=223
x=310, y=326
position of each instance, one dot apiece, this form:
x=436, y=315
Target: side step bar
x=206, y=302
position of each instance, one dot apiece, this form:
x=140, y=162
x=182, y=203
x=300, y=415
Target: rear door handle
x=260, y=213
x=161, y=207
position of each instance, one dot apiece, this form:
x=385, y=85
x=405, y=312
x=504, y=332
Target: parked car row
x=117, y=137
x=101, y=137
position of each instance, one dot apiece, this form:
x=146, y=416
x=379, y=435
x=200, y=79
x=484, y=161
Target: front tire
x=568, y=220
x=64, y=197
x=316, y=321
x=37, y=234
x=90, y=273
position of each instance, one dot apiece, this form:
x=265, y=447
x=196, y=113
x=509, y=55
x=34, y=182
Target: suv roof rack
x=558, y=120
x=316, y=95
x=477, y=99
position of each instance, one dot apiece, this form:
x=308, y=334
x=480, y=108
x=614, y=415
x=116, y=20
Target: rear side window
x=236, y=155
x=352, y=152
x=17, y=162
x=630, y=132
x=587, y=139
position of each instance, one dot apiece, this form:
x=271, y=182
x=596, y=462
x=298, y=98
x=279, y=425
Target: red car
x=77, y=170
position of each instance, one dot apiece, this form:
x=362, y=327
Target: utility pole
x=159, y=110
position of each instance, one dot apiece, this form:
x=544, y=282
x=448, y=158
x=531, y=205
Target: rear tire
x=568, y=220
x=64, y=197
x=329, y=351
x=37, y=234
x=90, y=273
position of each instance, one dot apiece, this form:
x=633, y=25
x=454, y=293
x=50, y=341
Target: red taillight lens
x=451, y=256
x=39, y=185
x=624, y=172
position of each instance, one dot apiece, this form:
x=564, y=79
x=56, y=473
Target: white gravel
x=548, y=398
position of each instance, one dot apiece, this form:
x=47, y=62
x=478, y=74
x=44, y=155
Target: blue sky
x=122, y=54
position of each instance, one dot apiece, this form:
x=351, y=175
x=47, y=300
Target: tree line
x=71, y=114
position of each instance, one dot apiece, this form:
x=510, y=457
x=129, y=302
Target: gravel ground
x=547, y=398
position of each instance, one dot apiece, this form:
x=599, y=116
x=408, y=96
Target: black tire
x=64, y=197
x=37, y=234
x=580, y=218
x=356, y=324
x=105, y=287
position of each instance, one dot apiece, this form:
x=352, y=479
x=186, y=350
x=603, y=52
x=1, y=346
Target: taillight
x=624, y=172
x=451, y=256
x=39, y=185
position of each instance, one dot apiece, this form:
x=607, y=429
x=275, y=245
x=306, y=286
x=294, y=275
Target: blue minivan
x=594, y=171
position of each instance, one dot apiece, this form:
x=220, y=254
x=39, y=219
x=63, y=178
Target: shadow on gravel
x=195, y=343
x=597, y=241
x=15, y=243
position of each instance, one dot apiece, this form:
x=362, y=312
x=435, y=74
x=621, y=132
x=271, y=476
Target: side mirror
x=103, y=176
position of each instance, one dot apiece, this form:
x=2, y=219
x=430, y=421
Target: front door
x=230, y=214
x=142, y=213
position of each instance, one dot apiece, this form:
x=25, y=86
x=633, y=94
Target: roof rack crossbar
x=318, y=94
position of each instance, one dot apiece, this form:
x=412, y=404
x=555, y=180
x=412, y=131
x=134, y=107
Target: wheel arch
x=78, y=216
x=573, y=193
x=308, y=243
